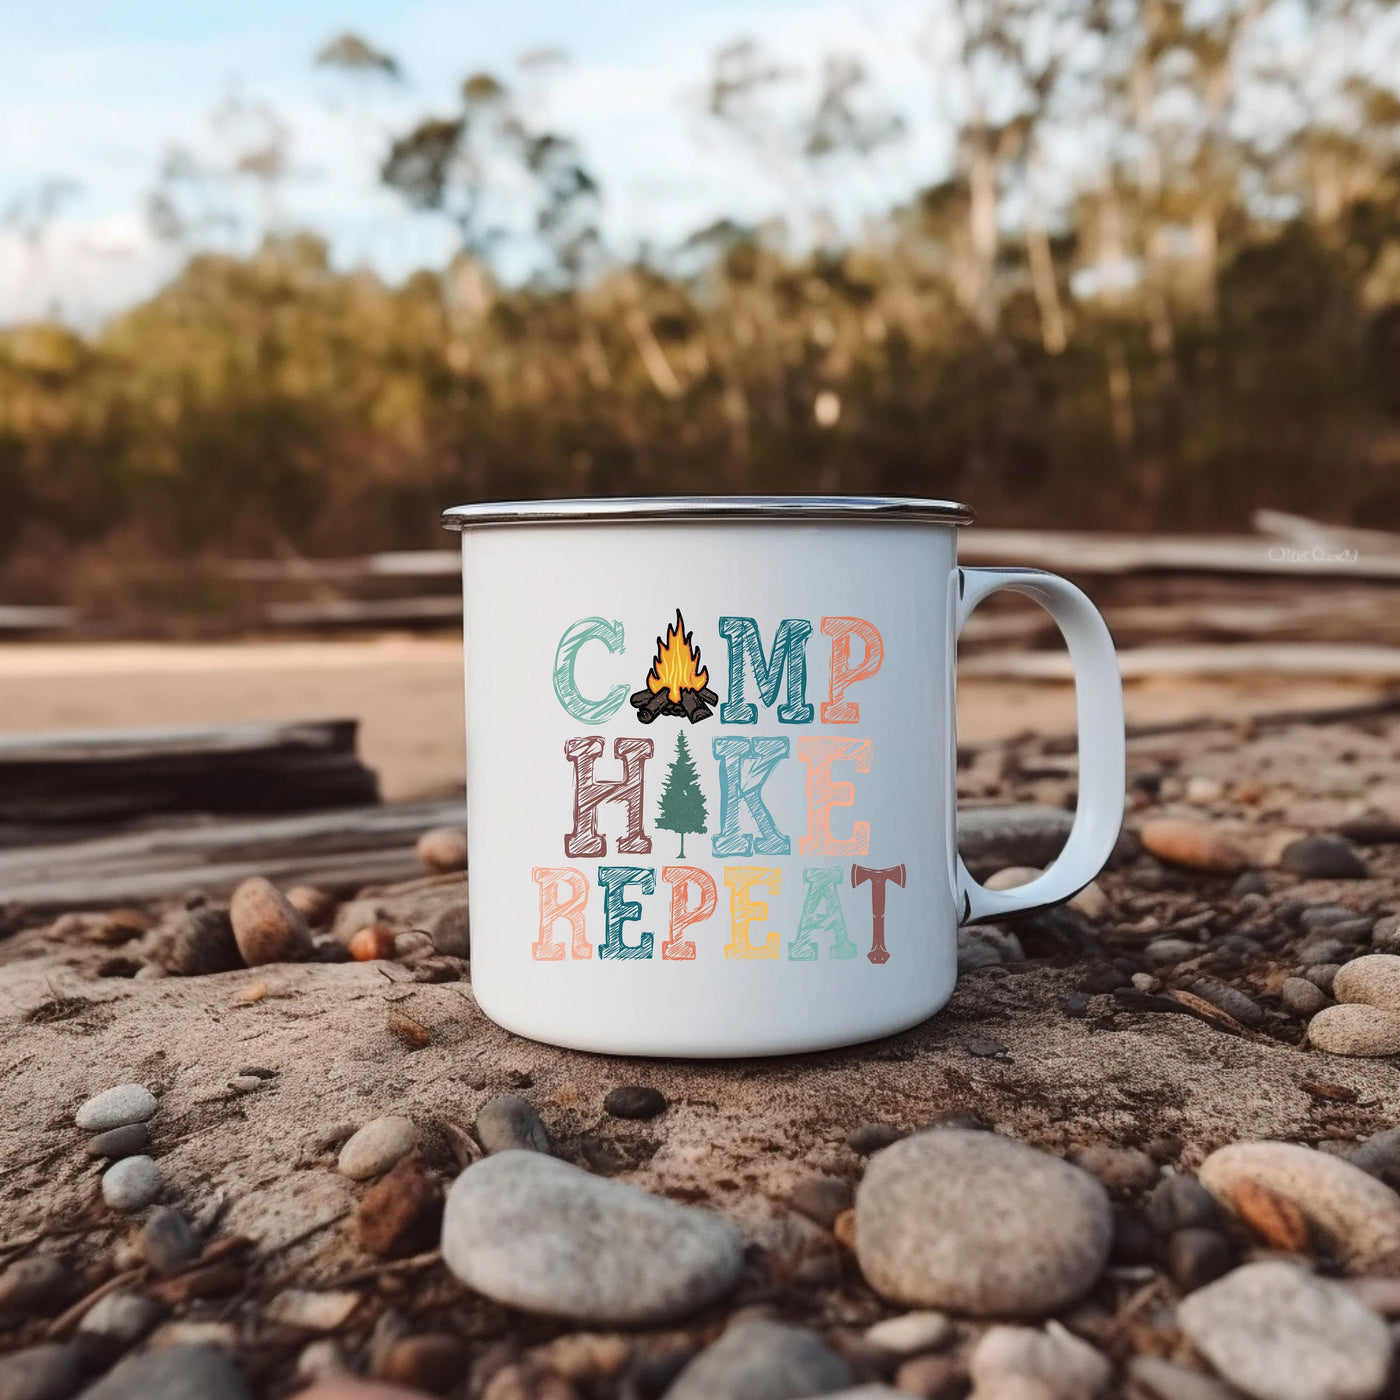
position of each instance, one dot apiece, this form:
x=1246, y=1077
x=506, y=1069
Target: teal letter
x=821, y=913
x=736, y=790
x=587, y=629
x=789, y=652
x=618, y=911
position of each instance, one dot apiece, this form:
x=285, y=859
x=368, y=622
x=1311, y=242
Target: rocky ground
x=1148, y=1148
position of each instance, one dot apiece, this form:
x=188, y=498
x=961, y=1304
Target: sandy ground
x=407, y=693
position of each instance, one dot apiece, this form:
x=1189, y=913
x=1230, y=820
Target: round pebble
x=451, y=931
x=376, y=1147
x=1193, y=846
x=177, y=1373
x=316, y=906
x=1316, y=952
x=1354, y=1029
x=1180, y=1202
x=1373, y=979
x=166, y=1241
x=911, y=1333
x=115, y=1108
x=986, y=945
x=1319, y=916
x=1356, y=1217
x=1091, y=901
x=1060, y=1365
x=131, y=1184
x=821, y=1198
x=1323, y=975
x=30, y=1283
x=1323, y=858
x=933, y=1378
x=536, y=1233
x=1197, y=1257
x=373, y=943
x=267, y=928
x=1299, y=997
x=197, y=943
x=1277, y=1332
x=122, y=1316
x=125, y=1141
x=1165, y=952
x=1379, y=1156
x=871, y=1137
x=1012, y=877
x=634, y=1101
x=1125, y=1170
x=1157, y=1379
x=762, y=1359
x=509, y=1123
x=443, y=849
x=980, y=1224
x=401, y=1212
x=433, y=1361
x=1385, y=934
x=49, y=1371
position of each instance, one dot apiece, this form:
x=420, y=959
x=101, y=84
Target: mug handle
x=1098, y=690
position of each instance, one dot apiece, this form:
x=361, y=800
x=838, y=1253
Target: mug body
x=711, y=779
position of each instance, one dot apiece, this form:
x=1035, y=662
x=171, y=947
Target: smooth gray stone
x=49, y=1371
x=115, y=1107
x=508, y=1123
x=1277, y=1332
x=1015, y=834
x=532, y=1232
x=179, y=1373
x=377, y=1146
x=1379, y=1156
x=1323, y=858
x=123, y=1316
x=167, y=1243
x=131, y=1184
x=130, y=1140
x=981, y=1224
x=762, y=1360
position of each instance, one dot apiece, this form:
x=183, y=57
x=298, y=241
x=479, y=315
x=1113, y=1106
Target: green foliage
x=1207, y=325
x=682, y=802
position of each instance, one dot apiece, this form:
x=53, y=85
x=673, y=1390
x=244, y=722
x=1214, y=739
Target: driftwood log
x=67, y=778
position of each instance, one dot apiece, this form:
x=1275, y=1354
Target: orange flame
x=677, y=666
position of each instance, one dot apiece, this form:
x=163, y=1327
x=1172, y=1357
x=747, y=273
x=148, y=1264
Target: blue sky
x=96, y=93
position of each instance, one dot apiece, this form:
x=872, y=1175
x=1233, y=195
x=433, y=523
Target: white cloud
x=104, y=112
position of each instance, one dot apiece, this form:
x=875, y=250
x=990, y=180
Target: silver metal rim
x=623, y=510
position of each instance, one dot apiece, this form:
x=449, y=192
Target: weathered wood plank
x=341, y=850
x=1292, y=658
x=227, y=768
x=1090, y=553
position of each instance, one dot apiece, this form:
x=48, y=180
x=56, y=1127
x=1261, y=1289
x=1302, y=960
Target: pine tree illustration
x=682, y=802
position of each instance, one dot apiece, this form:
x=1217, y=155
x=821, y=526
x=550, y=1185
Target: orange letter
x=744, y=911
x=682, y=879
x=823, y=795
x=549, y=878
x=839, y=710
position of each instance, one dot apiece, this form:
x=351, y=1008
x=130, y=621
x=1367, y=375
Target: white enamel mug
x=711, y=767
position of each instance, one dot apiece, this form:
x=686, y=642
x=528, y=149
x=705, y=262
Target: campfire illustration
x=677, y=683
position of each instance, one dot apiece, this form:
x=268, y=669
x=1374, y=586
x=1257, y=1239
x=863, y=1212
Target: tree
x=682, y=802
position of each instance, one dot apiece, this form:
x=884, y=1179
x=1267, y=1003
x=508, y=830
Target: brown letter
x=590, y=792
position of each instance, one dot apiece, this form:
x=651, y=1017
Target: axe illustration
x=878, y=880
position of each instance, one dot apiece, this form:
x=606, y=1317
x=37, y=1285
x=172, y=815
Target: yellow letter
x=744, y=911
